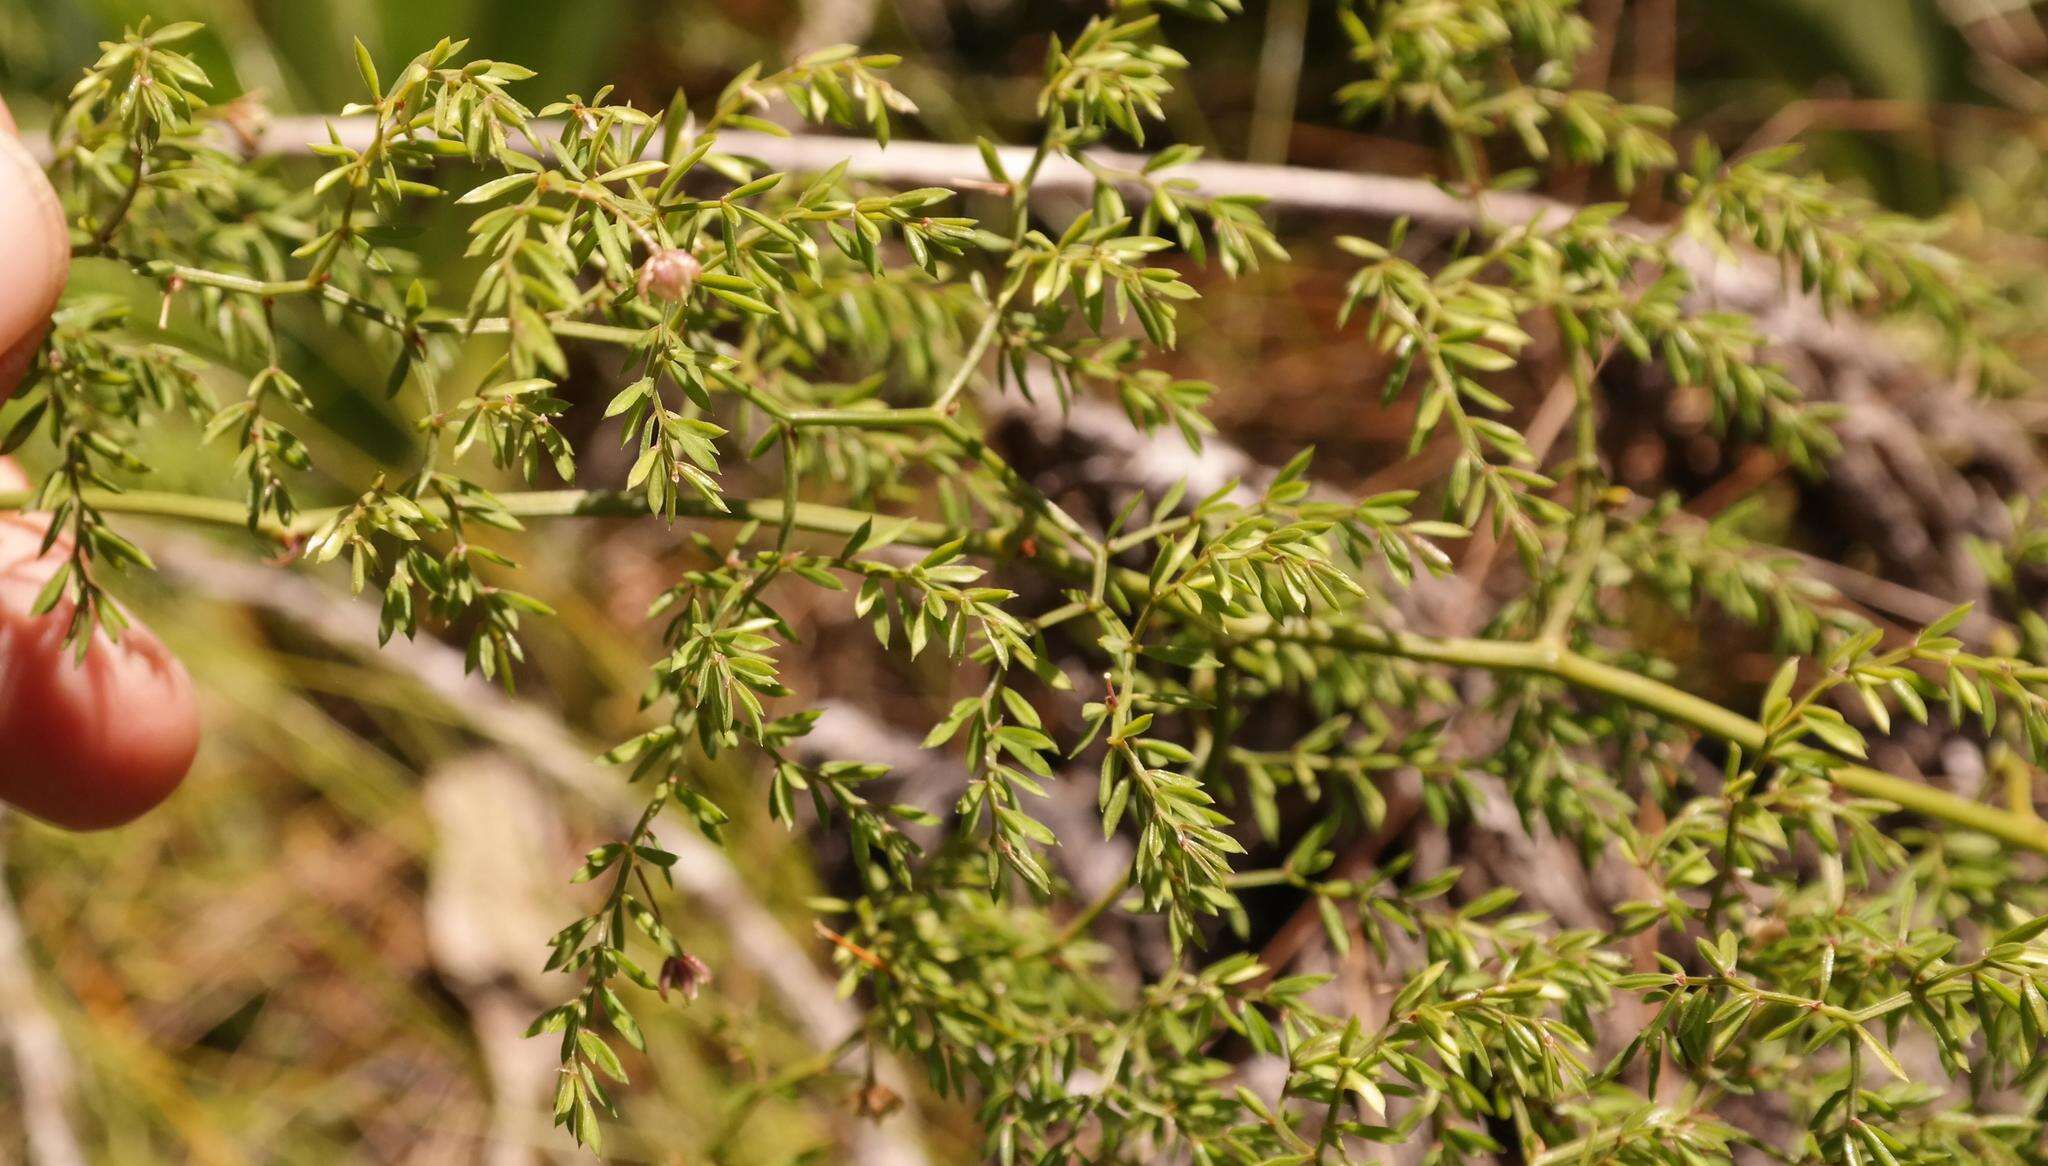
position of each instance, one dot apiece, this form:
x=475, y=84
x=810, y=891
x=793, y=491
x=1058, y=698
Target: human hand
x=84, y=743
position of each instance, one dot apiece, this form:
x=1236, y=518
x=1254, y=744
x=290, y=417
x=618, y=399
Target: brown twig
x=1750, y=282
x=42, y=1063
x=539, y=738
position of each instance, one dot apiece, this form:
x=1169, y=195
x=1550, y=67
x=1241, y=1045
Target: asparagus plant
x=800, y=367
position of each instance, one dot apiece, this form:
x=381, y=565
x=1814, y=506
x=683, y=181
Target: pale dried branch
x=550, y=750
x=42, y=1062
x=1748, y=282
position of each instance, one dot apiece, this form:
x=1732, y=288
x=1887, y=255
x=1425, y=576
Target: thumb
x=86, y=742
x=35, y=254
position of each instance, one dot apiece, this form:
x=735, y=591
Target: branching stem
x=1530, y=657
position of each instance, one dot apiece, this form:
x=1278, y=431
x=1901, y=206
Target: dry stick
x=1112, y=430
x=1219, y=461
x=1748, y=280
x=915, y=163
x=1757, y=468
x=1301, y=927
x=1877, y=594
x=1279, y=80
x=1402, y=806
x=1544, y=430
x=42, y=1062
x=540, y=740
x=1898, y=600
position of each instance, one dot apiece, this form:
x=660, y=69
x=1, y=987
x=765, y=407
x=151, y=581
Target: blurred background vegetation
x=324, y=948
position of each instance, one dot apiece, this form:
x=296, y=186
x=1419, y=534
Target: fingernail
x=35, y=252
x=15, y=362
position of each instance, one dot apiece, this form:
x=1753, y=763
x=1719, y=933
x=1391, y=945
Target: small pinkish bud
x=669, y=274
x=685, y=973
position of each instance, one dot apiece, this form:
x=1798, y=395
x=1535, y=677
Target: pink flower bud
x=669, y=274
x=684, y=972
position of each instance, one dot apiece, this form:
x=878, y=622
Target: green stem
x=985, y=336
x=138, y=157
x=1078, y=926
x=863, y=418
x=1274, y=877
x=1020, y=222
x=2023, y=830
x=1582, y=560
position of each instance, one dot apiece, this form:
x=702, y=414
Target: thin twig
x=1751, y=281
x=539, y=738
x=1279, y=80
x=43, y=1067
